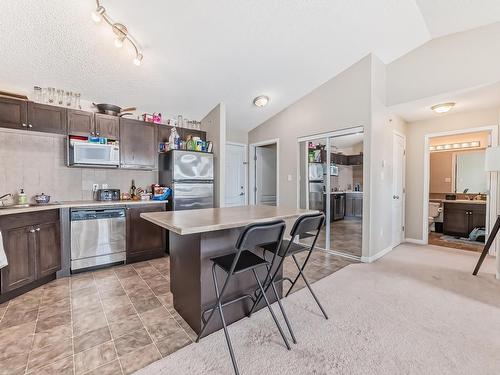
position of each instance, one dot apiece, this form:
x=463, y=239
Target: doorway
x=236, y=175
x=399, y=189
x=331, y=181
x=458, y=193
x=264, y=168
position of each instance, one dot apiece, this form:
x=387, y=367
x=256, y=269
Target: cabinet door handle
x=32, y=231
x=30, y=126
x=37, y=229
x=24, y=125
x=97, y=133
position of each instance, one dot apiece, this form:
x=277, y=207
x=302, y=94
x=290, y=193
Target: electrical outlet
x=95, y=187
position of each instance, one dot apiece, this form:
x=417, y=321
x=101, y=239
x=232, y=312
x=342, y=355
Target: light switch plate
x=289, y=177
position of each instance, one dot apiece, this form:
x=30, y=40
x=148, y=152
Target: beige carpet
x=416, y=311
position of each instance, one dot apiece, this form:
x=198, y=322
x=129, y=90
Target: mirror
x=470, y=173
x=455, y=171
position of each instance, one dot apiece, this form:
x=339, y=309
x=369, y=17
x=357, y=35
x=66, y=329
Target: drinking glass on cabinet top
x=51, y=91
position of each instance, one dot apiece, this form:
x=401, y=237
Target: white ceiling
x=476, y=98
x=198, y=53
x=451, y=16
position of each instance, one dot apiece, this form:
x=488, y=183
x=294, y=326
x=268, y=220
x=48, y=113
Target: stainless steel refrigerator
x=190, y=174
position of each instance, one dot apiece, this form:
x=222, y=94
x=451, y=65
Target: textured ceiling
x=198, y=53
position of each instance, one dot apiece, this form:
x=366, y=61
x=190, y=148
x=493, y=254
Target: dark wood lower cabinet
x=49, y=250
x=145, y=240
x=20, y=252
x=33, y=249
x=460, y=219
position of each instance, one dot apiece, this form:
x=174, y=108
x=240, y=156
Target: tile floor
x=112, y=321
x=345, y=236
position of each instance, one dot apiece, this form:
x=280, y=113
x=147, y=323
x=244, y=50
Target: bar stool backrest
x=308, y=223
x=261, y=233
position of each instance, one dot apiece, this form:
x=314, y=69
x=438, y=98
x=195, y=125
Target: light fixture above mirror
x=120, y=31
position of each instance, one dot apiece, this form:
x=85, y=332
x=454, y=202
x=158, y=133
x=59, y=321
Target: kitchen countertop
x=71, y=204
x=213, y=219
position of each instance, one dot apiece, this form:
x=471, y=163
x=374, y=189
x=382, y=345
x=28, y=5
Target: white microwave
x=84, y=154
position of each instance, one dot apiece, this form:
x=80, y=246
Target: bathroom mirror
x=470, y=173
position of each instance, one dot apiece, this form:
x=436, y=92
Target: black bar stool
x=302, y=227
x=244, y=260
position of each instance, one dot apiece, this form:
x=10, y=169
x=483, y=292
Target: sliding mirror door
x=331, y=181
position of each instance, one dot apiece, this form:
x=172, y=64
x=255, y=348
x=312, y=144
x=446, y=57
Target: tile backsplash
x=36, y=163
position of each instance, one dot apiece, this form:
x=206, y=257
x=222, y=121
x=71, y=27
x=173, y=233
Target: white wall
x=214, y=123
x=416, y=132
x=447, y=64
x=378, y=170
x=236, y=135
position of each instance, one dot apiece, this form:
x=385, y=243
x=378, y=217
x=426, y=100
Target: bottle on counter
x=22, y=198
x=132, y=189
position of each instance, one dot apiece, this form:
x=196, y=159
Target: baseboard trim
x=379, y=255
x=415, y=241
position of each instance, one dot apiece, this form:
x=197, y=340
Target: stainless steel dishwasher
x=97, y=237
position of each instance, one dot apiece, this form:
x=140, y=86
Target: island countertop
x=213, y=219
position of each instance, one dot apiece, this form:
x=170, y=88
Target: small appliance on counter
x=107, y=195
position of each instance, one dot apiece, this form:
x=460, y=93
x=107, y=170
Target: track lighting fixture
x=120, y=31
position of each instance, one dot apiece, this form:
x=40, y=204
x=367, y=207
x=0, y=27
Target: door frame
x=252, y=166
x=403, y=173
x=491, y=202
x=245, y=163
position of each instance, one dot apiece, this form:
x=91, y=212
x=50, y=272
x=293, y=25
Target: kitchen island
x=196, y=236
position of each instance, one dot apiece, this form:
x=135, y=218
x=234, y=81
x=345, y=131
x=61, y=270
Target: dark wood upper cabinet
x=20, y=252
x=13, y=113
x=164, y=133
x=145, y=240
x=355, y=159
x=48, y=249
x=107, y=126
x=47, y=118
x=80, y=122
x=138, y=148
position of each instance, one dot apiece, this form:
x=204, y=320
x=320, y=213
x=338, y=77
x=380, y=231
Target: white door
x=398, y=221
x=235, y=175
x=265, y=175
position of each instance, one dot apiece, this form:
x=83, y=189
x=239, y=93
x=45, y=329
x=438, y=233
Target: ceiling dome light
x=97, y=14
x=119, y=42
x=261, y=101
x=443, y=107
x=138, y=59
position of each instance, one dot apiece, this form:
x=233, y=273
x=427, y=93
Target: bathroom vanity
x=462, y=216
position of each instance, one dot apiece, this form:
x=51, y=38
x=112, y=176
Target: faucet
x=6, y=195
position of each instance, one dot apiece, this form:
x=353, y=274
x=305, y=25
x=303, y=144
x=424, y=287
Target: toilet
x=435, y=210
